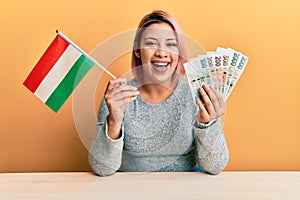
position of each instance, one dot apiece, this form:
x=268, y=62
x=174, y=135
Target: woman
x=152, y=123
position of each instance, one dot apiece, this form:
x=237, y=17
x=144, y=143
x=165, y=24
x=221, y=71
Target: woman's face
x=159, y=53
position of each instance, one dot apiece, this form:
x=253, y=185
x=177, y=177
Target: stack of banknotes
x=220, y=69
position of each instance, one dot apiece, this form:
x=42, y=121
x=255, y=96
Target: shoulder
x=183, y=92
x=132, y=82
x=184, y=82
x=183, y=87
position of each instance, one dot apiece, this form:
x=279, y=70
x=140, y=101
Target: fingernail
x=133, y=98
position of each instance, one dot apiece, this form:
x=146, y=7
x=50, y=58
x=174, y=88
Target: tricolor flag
x=58, y=72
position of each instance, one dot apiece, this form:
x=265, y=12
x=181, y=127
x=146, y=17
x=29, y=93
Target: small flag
x=58, y=72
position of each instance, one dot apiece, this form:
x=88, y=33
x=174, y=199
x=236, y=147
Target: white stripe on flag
x=57, y=73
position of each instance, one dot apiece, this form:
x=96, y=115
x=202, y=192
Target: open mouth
x=160, y=66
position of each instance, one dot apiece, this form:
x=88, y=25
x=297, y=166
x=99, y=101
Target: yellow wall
x=262, y=120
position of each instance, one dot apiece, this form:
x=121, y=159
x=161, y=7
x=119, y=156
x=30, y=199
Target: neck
x=157, y=92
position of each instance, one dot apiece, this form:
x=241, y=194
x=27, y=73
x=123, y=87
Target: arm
x=106, y=151
x=212, y=152
x=105, y=154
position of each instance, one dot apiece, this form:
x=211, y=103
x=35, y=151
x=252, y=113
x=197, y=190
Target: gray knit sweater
x=159, y=137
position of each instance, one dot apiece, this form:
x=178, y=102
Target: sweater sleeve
x=105, y=153
x=212, y=152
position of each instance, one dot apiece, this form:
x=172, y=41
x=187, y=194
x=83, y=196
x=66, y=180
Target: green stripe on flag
x=69, y=83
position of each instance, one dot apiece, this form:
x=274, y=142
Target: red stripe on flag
x=46, y=62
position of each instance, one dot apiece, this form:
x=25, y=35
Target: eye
x=171, y=44
x=150, y=43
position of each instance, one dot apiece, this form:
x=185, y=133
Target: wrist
x=200, y=125
x=113, y=128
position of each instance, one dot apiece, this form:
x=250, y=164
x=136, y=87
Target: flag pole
x=92, y=59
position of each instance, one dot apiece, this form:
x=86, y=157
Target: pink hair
x=158, y=16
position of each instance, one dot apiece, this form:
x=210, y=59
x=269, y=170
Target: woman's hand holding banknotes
x=211, y=106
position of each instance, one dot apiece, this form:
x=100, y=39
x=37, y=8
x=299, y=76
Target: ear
x=136, y=50
x=137, y=53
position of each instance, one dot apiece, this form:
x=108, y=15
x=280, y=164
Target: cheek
x=145, y=56
x=175, y=59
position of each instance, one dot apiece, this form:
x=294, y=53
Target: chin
x=160, y=79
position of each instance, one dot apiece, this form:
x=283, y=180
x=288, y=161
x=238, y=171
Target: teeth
x=161, y=64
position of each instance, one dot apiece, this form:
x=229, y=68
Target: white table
x=182, y=185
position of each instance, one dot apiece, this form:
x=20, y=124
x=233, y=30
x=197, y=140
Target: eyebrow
x=152, y=38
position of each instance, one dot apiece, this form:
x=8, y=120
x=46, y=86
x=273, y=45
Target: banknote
x=201, y=65
x=221, y=69
x=237, y=63
x=216, y=59
x=194, y=78
x=227, y=58
x=201, y=61
x=212, y=70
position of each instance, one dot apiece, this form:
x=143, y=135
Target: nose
x=160, y=52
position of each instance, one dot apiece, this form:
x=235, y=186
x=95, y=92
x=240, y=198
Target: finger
x=124, y=88
x=202, y=112
x=113, y=83
x=202, y=108
x=125, y=94
x=122, y=102
x=221, y=109
x=213, y=103
x=219, y=97
x=207, y=101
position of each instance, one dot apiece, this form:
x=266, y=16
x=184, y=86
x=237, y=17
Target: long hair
x=157, y=16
